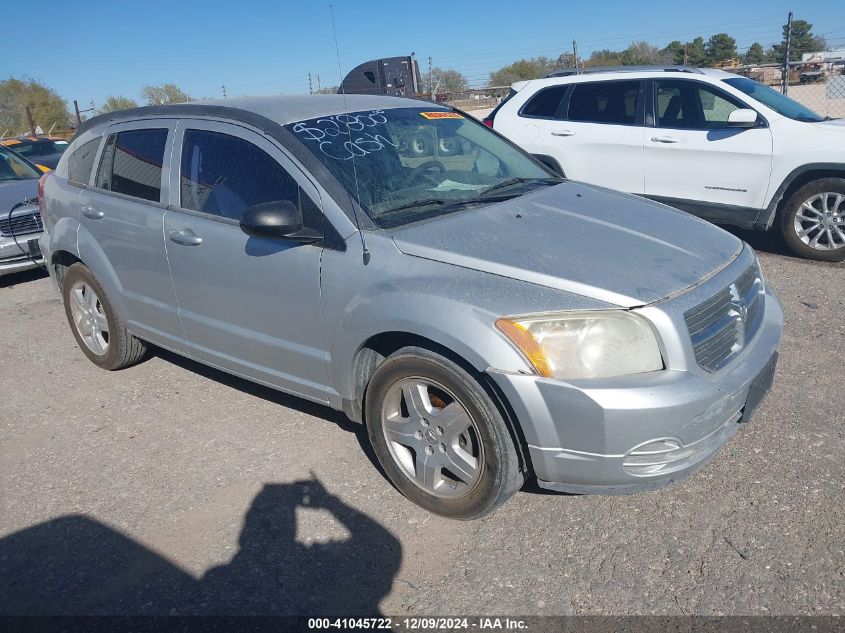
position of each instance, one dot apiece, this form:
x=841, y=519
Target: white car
x=717, y=145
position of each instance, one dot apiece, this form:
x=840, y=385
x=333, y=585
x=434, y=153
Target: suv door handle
x=665, y=139
x=186, y=237
x=91, y=212
x=563, y=133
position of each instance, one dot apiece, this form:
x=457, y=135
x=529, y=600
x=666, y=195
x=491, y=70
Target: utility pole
x=224, y=90
x=319, y=87
x=430, y=79
x=310, y=88
x=575, y=52
x=686, y=57
x=79, y=112
x=785, y=72
x=29, y=118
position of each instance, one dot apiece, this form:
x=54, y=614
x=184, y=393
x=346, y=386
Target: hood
x=14, y=191
x=586, y=240
x=831, y=124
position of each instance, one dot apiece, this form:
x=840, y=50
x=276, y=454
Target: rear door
x=122, y=218
x=696, y=161
x=249, y=305
x=597, y=133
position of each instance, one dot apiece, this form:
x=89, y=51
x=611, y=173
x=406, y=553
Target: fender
x=469, y=333
x=90, y=252
x=767, y=215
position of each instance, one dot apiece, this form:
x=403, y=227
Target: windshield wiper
x=427, y=202
x=516, y=181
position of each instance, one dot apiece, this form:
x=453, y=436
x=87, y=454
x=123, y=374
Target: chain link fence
x=819, y=86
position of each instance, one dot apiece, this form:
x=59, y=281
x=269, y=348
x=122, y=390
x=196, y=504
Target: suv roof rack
x=566, y=72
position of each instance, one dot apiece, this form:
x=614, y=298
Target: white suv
x=712, y=143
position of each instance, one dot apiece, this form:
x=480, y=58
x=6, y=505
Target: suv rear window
x=132, y=163
x=612, y=102
x=545, y=104
x=81, y=161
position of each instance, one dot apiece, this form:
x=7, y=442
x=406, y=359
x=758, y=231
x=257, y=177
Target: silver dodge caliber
x=395, y=259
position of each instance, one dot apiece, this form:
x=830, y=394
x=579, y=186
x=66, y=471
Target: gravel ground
x=173, y=488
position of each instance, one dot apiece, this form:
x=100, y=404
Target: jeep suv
x=456, y=304
x=715, y=144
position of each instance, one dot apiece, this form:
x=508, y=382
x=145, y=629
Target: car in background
x=20, y=218
x=41, y=150
x=712, y=143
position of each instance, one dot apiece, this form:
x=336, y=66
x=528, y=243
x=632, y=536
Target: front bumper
x=611, y=436
x=15, y=257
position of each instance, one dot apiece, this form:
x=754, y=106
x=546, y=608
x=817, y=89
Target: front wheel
x=439, y=437
x=813, y=220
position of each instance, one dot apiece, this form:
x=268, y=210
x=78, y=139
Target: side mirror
x=743, y=117
x=279, y=219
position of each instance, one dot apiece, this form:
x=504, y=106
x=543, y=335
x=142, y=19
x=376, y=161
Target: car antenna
x=366, y=252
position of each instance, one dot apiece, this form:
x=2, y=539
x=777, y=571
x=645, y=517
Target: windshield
x=407, y=164
x=13, y=167
x=773, y=99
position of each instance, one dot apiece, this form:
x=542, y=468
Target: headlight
x=574, y=345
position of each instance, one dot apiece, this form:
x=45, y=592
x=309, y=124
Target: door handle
x=186, y=237
x=563, y=133
x=665, y=139
x=91, y=212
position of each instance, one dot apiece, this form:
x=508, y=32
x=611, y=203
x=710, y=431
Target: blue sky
x=115, y=47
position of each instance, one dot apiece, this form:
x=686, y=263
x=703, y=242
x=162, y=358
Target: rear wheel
x=813, y=220
x=95, y=324
x=439, y=437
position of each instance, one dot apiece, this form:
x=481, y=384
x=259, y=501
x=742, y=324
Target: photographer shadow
x=74, y=565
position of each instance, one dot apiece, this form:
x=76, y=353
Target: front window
x=778, y=102
x=407, y=164
x=692, y=105
x=13, y=167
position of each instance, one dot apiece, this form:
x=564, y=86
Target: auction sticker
x=441, y=115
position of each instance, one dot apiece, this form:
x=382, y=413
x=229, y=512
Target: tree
x=159, y=95
x=521, y=70
x=328, y=90
x=441, y=80
x=696, y=52
x=113, y=103
x=643, y=54
x=674, y=51
x=719, y=48
x=803, y=41
x=47, y=107
x=565, y=60
x=755, y=54
x=604, y=57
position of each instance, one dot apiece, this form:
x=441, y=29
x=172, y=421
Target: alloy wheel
x=432, y=437
x=89, y=318
x=820, y=222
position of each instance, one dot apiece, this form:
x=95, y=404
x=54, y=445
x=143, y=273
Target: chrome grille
x=21, y=224
x=721, y=326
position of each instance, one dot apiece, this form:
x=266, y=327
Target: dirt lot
x=172, y=488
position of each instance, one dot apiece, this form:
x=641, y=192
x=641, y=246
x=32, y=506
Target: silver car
x=487, y=320
x=20, y=219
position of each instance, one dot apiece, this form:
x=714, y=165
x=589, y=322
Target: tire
x=448, y=146
x=820, y=203
x=420, y=145
x=450, y=486
x=88, y=309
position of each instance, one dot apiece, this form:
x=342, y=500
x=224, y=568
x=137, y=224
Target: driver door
x=248, y=305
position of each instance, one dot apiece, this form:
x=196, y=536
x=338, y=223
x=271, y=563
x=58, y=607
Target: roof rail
x=566, y=72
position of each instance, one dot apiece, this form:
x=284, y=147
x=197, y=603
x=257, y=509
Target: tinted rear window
x=612, y=102
x=81, y=161
x=132, y=163
x=546, y=103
